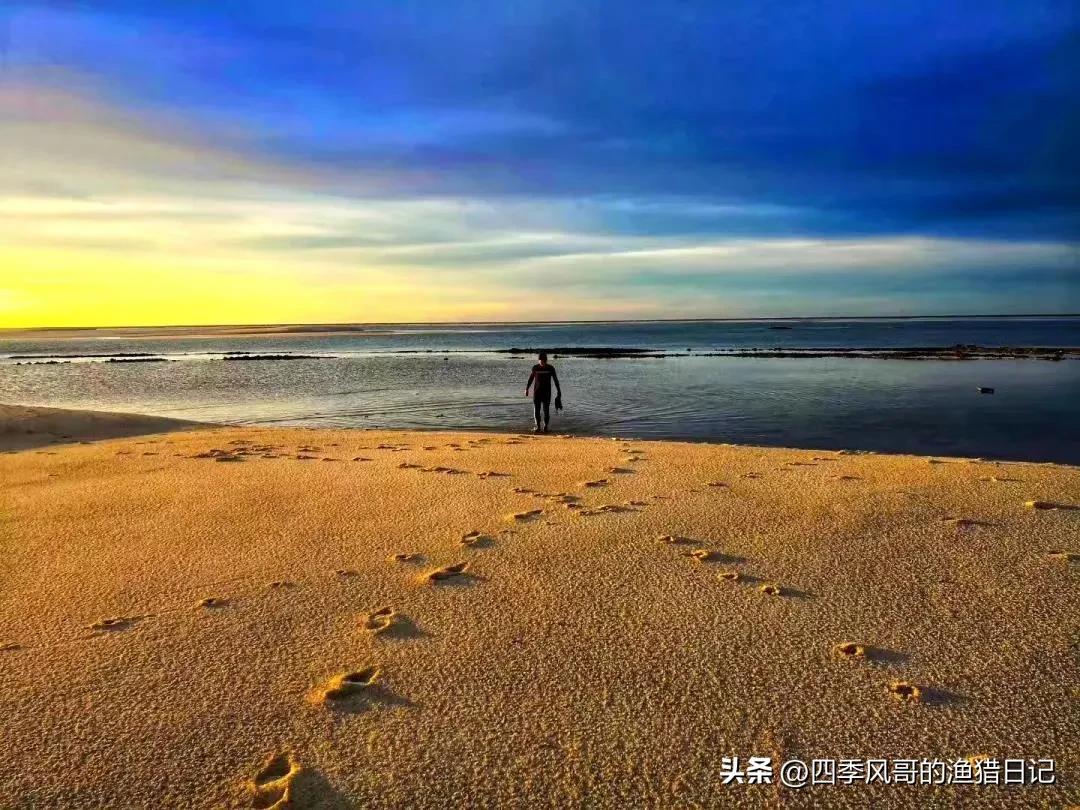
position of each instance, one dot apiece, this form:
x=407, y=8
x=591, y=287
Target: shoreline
x=24, y=427
x=403, y=617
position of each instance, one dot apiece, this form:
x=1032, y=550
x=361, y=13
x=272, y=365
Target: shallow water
x=459, y=381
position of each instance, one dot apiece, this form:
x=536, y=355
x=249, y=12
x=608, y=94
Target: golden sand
x=240, y=617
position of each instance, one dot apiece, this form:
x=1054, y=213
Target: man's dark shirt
x=541, y=378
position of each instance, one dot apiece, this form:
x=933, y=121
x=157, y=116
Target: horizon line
x=547, y=322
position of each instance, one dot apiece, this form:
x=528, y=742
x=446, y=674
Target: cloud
x=863, y=119
x=557, y=161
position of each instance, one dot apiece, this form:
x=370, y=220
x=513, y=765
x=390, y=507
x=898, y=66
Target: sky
x=500, y=160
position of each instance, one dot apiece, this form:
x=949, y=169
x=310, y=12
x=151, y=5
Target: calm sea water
x=453, y=377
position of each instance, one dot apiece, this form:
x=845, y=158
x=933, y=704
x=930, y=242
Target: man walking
x=543, y=375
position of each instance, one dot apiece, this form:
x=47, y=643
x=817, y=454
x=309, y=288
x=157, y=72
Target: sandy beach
x=197, y=616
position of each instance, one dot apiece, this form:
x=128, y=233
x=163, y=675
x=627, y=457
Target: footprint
x=606, y=509
x=701, y=554
x=10, y=646
x=674, y=539
x=270, y=788
x=476, y=540
x=405, y=465
x=599, y=482
x=750, y=475
x=620, y=471
x=962, y=523
x=281, y=584
x=564, y=498
x=379, y=621
x=1061, y=554
x=524, y=491
x=1048, y=505
x=729, y=576
x=492, y=474
x=361, y=458
x=717, y=485
x=845, y=478
x=346, y=685
x=405, y=557
x=526, y=517
x=447, y=572
x=346, y=573
x=771, y=589
x=116, y=623
x=850, y=650
x=213, y=602
x=904, y=691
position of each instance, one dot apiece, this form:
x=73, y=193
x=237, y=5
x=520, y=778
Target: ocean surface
x=461, y=376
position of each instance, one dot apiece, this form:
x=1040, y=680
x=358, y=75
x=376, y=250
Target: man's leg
x=547, y=413
x=536, y=411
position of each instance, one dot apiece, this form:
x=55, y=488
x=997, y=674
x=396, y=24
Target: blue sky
x=468, y=159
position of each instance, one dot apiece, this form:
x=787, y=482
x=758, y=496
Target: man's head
x=543, y=357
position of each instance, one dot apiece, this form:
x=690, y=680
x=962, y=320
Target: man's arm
x=555, y=379
x=532, y=376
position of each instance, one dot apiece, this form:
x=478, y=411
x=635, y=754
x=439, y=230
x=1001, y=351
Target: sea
x=465, y=376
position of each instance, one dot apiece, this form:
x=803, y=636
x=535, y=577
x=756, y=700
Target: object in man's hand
x=558, y=402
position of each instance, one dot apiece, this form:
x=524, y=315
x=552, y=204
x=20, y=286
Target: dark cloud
x=848, y=118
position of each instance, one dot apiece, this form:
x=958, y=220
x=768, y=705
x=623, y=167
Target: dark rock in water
x=983, y=390
x=583, y=351
x=779, y=327
x=274, y=357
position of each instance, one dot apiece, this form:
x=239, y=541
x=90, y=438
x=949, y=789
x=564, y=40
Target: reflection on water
x=930, y=407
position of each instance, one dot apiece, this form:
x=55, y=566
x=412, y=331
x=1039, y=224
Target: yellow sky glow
x=110, y=221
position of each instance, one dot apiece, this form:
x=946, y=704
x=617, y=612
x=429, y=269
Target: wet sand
x=238, y=617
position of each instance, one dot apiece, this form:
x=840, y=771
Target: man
x=543, y=375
